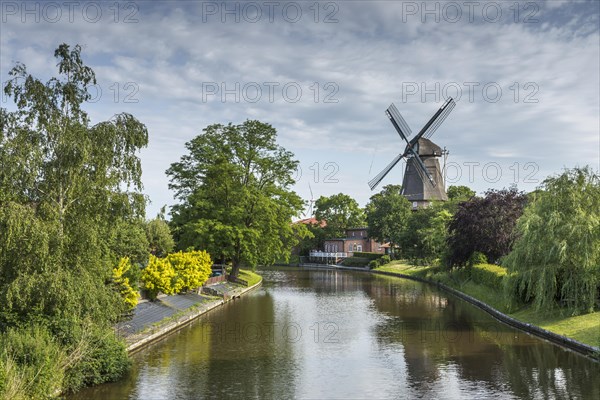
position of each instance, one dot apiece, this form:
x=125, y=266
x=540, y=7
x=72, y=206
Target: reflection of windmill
x=423, y=180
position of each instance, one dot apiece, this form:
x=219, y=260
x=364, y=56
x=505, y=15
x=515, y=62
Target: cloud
x=348, y=73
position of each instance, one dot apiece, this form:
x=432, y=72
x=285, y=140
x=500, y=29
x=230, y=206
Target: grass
x=249, y=276
x=583, y=328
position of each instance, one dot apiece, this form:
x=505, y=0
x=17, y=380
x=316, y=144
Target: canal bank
x=156, y=320
x=587, y=350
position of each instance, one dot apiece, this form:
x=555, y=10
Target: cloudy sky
x=525, y=76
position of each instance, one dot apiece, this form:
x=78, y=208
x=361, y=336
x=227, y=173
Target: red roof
x=312, y=221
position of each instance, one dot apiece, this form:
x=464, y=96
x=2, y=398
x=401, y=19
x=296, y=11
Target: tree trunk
x=235, y=269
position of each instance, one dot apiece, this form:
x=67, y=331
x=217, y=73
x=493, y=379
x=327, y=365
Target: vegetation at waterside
x=235, y=198
x=485, y=283
x=535, y=255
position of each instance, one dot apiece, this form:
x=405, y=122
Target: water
x=322, y=334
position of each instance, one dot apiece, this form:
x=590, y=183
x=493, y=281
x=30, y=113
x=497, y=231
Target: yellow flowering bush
x=192, y=269
x=129, y=295
x=158, y=276
x=176, y=273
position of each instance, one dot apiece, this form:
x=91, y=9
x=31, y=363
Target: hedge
x=489, y=275
x=367, y=255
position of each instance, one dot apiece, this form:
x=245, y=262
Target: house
x=356, y=240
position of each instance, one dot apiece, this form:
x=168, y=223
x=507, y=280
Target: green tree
x=236, y=202
x=387, y=215
x=159, y=237
x=341, y=212
x=460, y=193
x=64, y=185
x=556, y=260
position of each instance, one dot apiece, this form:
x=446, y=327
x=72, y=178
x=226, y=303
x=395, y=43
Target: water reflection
x=331, y=334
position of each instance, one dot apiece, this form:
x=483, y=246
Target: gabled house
x=356, y=240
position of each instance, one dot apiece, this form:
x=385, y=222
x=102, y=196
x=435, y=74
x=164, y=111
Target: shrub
x=355, y=262
x=121, y=282
x=191, y=268
x=489, y=275
x=367, y=255
x=158, y=276
x=105, y=359
x=32, y=363
x=385, y=259
x=373, y=264
x=477, y=258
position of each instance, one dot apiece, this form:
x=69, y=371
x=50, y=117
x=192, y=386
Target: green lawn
x=251, y=277
x=583, y=328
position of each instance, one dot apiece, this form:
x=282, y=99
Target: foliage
x=104, y=359
x=314, y=239
x=192, y=269
x=69, y=194
x=236, y=202
x=355, y=262
x=176, y=273
x=128, y=240
x=368, y=255
x=373, y=264
x=385, y=259
x=387, y=215
x=424, y=238
x=158, y=276
x=556, y=260
x=32, y=364
x=486, y=225
x=341, y=212
x=121, y=282
x=489, y=275
x=477, y=258
x=159, y=237
x=460, y=193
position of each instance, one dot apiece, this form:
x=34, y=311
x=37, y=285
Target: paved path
x=148, y=313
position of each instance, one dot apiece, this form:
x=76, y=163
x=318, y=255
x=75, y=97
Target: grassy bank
x=484, y=284
x=249, y=276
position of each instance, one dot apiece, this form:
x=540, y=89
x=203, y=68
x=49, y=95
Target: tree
x=460, y=193
x=426, y=233
x=64, y=185
x=341, y=212
x=486, y=225
x=387, y=215
x=159, y=237
x=236, y=202
x=556, y=260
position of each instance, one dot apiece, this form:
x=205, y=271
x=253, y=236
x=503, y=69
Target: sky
x=525, y=77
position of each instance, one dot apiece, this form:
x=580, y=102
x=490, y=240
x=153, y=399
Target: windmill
x=423, y=180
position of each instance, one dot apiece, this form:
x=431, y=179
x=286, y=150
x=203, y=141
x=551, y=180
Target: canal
x=325, y=334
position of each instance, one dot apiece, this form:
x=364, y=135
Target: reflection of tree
x=248, y=358
x=438, y=330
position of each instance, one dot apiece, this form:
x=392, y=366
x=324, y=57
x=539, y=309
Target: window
x=352, y=233
x=350, y=247
x=359, y=247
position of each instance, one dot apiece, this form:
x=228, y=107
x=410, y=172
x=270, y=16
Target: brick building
x=356, y=240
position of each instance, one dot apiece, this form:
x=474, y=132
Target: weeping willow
x=556, y=260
